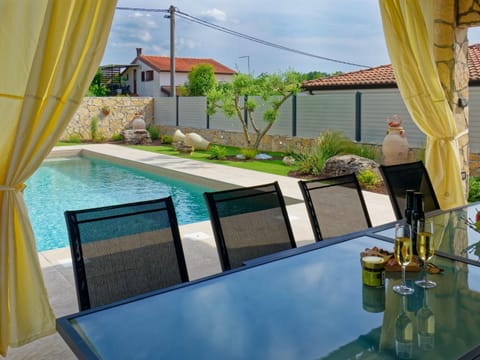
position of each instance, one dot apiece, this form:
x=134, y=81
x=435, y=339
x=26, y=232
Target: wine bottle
x=418, y=218
x=409, y=195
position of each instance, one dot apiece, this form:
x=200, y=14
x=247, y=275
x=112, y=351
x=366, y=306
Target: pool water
x=81, y=183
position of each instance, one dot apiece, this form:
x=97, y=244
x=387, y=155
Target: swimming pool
x=83, y=182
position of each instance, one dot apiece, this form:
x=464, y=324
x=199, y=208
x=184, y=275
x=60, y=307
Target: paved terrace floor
x=198, y=242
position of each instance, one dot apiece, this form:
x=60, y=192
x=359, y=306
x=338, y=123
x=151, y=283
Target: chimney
x=139, y=51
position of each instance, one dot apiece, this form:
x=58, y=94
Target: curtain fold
x=409, y=34
x=50, y=52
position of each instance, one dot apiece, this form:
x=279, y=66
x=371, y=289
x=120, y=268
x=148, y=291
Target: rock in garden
x=347, y=164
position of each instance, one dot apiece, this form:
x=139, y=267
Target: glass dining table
x=304, y=303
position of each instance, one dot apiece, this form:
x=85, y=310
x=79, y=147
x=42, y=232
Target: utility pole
x=171, y=10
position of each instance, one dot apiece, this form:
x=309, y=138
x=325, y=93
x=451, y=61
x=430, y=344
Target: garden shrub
x=74, y=139
x=309, y=163
x=369, y=179
x=474, y=189
x=367, y=151
x=117, y=137
x=328, y=144
x=94, y=128
x=248, y=154
x=217, y=152
x=154, y=131
x=166, y=139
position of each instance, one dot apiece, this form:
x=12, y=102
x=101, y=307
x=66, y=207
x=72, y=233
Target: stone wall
x=281, y=143
x=231, y=138
x=122, y=111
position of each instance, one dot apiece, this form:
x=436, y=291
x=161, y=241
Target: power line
x=141, y=9
x=260, y=41
x=196, y=20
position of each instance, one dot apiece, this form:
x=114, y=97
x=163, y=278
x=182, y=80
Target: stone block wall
x=122, y=112
x=232, y=138
x=279, y=143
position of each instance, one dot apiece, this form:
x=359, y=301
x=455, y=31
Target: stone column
x=451, y=53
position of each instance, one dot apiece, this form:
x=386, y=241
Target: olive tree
x=245, y=93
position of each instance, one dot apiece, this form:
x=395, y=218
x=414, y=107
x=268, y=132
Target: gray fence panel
x=219, y=121
x=474, y=119
x=323, y=111
x=165, y=111
x=377, y=105
x=326, y=111
x=283, y=124
x=192, y=112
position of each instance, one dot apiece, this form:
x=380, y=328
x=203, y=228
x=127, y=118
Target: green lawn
x=276, y=167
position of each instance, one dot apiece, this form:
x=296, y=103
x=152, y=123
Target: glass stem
x=403, y=276
x=425, y=270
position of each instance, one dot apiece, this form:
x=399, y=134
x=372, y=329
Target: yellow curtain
x=50, y=52
x=408, y=28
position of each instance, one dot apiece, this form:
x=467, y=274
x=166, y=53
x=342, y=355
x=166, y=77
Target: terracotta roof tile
x=382, y=76
x=162, y=63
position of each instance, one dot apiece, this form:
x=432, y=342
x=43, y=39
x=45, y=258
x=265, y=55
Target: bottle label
x=404, y=350
x=374, y=278
x=426, y=342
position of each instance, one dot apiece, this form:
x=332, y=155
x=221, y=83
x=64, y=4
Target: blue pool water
x=81, y=183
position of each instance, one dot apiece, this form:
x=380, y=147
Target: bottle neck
x=409, y=199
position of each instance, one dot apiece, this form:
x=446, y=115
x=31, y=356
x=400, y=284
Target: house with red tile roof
x=382, y=77
x=371, y=96
x=151, y=76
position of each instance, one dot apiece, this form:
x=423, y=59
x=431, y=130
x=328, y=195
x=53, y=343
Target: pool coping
x=223, y=177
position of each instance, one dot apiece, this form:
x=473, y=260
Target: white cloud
x=215, y=14
x=144, y=36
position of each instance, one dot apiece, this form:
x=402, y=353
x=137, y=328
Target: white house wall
x=153, y=88
x=146, y=88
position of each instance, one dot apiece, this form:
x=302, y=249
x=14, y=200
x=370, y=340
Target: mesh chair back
x=401, y=177
x=249, y=223
x=335, y=206
x=125, y=250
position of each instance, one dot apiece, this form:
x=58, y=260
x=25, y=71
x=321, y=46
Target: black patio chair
x=248, y=223
x=401, y=177
x=125, y=250
x=335, y=206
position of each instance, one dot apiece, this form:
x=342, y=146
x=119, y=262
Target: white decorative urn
x=138, y=123
x=395, y=144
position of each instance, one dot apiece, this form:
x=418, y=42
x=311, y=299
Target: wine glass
x=403, y=255
x=426, y=326
x=403, y=334
x=425, y=250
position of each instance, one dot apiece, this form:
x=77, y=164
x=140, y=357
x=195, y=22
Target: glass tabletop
x=453, y=236
x=309, y=306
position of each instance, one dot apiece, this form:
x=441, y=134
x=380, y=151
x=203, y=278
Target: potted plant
x=105, y=110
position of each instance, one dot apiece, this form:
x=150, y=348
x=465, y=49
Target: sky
x=345, y=31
